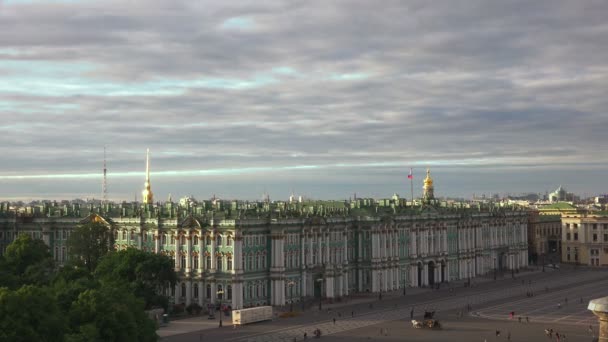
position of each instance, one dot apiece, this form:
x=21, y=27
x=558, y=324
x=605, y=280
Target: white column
x=212, y=237
x=178, y=256
x=157, y=242
x=188, y=292
x=413, y=250
x=188, y=252
x=201, y=253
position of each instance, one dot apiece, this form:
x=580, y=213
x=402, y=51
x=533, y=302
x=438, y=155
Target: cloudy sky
x=322, y=98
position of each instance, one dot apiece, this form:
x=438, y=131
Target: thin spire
x=148, y=165
x=104, y=186
x=148, y=197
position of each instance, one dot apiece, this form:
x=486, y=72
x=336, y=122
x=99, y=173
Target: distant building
x=271, y=253
x=585, y=239
x=561, y=195
x=559, y=208
x=544, y=235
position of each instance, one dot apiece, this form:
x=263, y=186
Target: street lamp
x=219, y=296
x=320, y=281
x=291, y=284
x=469, y=273
x=495, y=267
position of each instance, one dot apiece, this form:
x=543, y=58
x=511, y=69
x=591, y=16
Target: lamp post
x=320, y=281
x=495, y=267
x=219, y=296
x=543, y=262
x=469, y=273
x=291, y=284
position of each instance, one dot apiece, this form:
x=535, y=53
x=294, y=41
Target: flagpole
x=412, y=186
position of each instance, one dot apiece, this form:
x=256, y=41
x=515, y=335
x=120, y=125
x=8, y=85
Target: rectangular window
x=595, y=237
x=595, y=226
x=575, y=236
x=567, y=236
x=575, y=225
x=605, y=237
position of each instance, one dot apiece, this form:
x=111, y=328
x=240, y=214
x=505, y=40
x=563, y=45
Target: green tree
x=148, y=275
x=30, y=314
x=110, y=314
x=88, y=243
x=26, y=261
x=25, y=252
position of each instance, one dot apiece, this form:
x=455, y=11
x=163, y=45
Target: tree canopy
x=101, y=299
x=89, y=243
x=148, y=275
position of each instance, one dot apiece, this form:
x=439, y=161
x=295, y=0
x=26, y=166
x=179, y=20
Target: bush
x=194, y=309
x=178, y=308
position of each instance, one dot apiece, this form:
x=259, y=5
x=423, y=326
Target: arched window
x=195, y=240
x=208, y=240
x=208, y=291
x=132, y=237
x=164, y=239
x=250, y=263
x=229, y=263
x=219, y=295
x=56, y=253
x=257, y=261
x=183, y=293
x=219, y=263
x=195, y=261
x=124, y=234
x=173, y=239
x=116, y=235
x=218, y=241
x=229, y=241
x=229, y=292
x=63, y=257
x=195, y=290
x=209, y=262
x=183, y=261
x=258, y=292
x=183, y=239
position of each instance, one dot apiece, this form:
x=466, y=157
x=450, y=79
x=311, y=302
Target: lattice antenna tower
x=104, y=185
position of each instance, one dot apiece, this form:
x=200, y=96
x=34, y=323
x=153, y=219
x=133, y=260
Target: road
x=488, y=299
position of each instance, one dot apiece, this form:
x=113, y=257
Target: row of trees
x=99, y=295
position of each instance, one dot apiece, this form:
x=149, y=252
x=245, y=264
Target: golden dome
x=428, y=181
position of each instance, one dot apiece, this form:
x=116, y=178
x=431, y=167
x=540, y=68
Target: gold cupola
x=428, y=188
x=147, y=195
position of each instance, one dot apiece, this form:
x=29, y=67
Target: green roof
x=559, y=206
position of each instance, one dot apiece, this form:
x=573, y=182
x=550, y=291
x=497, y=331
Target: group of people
x=558, y=337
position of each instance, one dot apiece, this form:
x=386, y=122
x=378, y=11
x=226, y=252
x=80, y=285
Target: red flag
x=410, y=176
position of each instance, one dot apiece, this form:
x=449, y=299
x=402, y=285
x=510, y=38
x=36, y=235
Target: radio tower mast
x=104, y=186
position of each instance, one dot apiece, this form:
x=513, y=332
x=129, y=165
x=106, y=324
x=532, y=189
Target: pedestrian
x=519, y=319
x=559, y=305
x=412, y=313
x=557, y=336
x=508, y=336
x=381, y=331
x=527, y=319
x=497, y=332
x=334, y=320
x=305, y=335
x=352, y=314
x=581, y=300
x=590, y=329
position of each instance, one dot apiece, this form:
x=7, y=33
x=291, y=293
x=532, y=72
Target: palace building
x=276, y=252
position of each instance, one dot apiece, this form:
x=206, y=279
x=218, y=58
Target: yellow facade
x=585, y=239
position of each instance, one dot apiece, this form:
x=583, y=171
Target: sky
x=324, y=99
